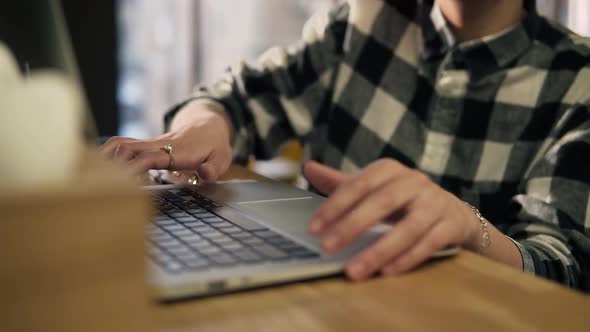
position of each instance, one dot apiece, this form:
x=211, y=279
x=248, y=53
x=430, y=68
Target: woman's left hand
x=427, y=217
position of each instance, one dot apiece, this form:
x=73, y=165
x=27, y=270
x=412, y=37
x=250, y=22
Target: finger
x=215, y=165
x=108, y=149
x=439, y=237
x=406, y=233
x=149, y=160
x=347, y=195
x=126, y=151
x=387, y=200
x=324, y=178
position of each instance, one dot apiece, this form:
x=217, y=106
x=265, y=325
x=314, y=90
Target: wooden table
x=464, y=293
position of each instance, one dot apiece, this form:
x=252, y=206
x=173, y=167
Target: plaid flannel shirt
x=502, y=122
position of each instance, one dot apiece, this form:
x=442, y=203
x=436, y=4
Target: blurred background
x=140, y=57
x=167, y=47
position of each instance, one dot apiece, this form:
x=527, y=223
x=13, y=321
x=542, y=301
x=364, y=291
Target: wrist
x=200, y=112
x=479, y=238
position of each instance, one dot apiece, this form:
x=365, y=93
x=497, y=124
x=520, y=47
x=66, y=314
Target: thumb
x=324, y=178
x=215, y=165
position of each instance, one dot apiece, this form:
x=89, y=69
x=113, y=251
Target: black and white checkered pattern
x=501, y=122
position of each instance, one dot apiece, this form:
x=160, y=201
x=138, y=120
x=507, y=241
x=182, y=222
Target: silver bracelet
x=486, y=242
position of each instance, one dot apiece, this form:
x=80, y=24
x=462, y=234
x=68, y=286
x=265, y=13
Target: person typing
x=462, y=122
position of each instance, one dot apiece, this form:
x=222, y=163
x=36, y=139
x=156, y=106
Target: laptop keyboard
x=188, y=235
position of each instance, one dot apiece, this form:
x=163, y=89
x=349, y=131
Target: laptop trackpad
x=258, y=191
x=289, y=217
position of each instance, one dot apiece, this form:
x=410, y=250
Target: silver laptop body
x=263, y=204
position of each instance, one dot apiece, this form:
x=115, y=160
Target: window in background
x=168, y=47
x=574, y=13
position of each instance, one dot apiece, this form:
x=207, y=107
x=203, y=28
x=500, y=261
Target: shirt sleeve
x=551, y=215
x=284, y=95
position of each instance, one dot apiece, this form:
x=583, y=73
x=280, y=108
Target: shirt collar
x=498, y=50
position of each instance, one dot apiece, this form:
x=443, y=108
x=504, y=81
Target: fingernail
x=315, y=226
x=357, y=270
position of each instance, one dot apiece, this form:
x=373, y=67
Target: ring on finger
x=169, y=150
x=194, y=180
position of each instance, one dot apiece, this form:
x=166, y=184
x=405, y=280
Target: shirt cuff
x=527, y=261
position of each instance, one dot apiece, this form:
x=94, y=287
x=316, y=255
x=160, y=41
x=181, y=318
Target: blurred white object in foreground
x=40, y=126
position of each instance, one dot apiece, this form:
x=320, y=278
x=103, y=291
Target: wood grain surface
x=463, y=293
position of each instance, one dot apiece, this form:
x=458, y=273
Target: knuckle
x=420, y=177
x=362, y=185
x=350, y=227
x=378, y=253
x=384, y=202
x=412, y=231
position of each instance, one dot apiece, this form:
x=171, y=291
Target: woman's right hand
x=200, y=136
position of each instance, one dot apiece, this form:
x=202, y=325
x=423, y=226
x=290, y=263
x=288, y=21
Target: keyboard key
x=184, y=256
x=172, y=266
x=215, y=235
x=231, y=230
x=193, y=224
x=179, y=250
x=252, y=241
x=191, y=238
x=199, y=245
x=248, y=256
x=185, y=191
x=197, y=264
x=174, y=227
x=182, y=232
x=196, y=210
x=179, y=214
x=222, y=240
x=201, y=228
x=289, y=247
x=172, y=209
x=211, y=250
x=267, y=234
x=169, y=243
x=222, y=259
x=161, y=237
x=204, y=230
x=242, y=236
x=223, y=224
x=186, y=219
x=205, y=214
x=165, y=222
x=232, y=246
x=270, y=252
x=210, y=220
x=279, y=240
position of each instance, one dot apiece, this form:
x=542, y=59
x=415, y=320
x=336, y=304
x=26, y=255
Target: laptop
x=228, y=236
